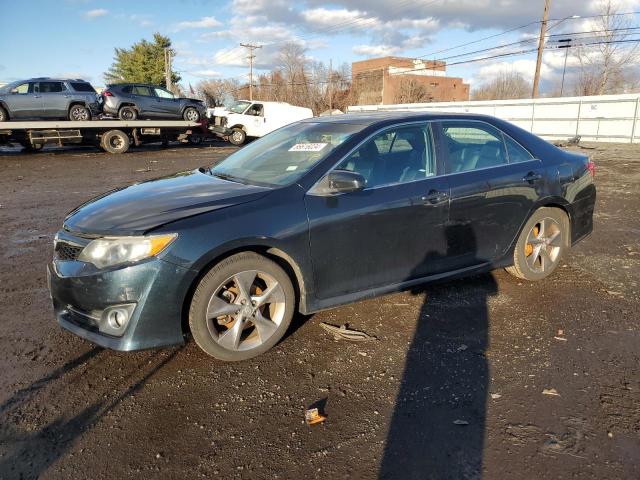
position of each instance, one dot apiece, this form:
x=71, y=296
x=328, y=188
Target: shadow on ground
x=33, y=450
x=438, y=424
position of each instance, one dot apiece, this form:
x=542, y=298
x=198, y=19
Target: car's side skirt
x=317, y=305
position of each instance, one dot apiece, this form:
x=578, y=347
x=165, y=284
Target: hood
x=141, y=207
x=195, y=100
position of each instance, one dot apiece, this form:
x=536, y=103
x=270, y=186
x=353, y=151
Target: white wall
x=605, y=118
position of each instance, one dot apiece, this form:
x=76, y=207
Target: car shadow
x=32, y=451
x=438, y=424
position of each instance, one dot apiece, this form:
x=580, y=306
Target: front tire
x=3, y=115
x=542, y=243
x=127, y=113
x=242, y=307
x=79, y=113
x=238, y=136
x=190, y=114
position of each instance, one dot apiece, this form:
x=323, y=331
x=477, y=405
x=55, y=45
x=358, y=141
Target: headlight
x=109, y=251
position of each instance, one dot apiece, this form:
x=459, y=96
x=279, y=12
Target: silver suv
x=49, y=98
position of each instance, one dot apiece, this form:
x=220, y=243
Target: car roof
x=139, y=84
x=372, y=118
x=54, y=79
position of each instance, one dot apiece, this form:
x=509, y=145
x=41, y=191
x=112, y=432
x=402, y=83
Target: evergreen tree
x=143, y=63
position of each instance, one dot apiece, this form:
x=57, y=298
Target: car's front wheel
x=79, y=113
x=242, y=307
x=190, y=114
x=3, y=115
x=541, y=244
x=238, y=136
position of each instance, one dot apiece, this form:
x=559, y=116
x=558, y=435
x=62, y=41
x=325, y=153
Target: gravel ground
x=452, y=388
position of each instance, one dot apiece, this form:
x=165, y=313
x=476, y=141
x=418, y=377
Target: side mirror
x=344, y=181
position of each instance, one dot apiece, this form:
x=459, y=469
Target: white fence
x=605, y=118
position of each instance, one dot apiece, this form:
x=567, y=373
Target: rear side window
x=517, y=153
x=82, y=87
x=141, y=90
x=52, y=87
x=472, y=146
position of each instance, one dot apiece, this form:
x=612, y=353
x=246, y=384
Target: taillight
x=591, y=166
x=107, y=93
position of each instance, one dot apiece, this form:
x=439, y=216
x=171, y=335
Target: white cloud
x=375, y=50
x=206, y=73
x=204, y=22
x=95, y=13
x=343, y=18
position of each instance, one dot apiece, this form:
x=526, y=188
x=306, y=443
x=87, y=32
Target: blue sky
x=77, y=37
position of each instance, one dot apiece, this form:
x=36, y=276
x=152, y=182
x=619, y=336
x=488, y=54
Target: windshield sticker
x=308, y=147
x=291, y=168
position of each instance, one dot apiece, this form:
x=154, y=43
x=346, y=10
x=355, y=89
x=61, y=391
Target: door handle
x=36, y=96
x=532, y=177
x=434, y=197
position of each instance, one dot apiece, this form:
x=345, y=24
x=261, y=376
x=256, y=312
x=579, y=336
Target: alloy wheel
x=543, y=245
x=79, y=114
x=246, y=310
x=192, y=115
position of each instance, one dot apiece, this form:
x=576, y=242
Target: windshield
x=239, y=107
x=285, y=155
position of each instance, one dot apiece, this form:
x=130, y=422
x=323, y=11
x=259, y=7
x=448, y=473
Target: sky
x=76, y=38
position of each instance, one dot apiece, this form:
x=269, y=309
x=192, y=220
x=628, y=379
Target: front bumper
x=155, y=288
x=220, y=130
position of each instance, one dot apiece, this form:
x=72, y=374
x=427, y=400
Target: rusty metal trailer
x=113, y=136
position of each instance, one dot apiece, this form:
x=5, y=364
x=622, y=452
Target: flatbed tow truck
x=113, y=136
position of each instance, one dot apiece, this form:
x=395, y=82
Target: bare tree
x=218, y=92
x=410, y=90
x=605, y=67
x=506, y=85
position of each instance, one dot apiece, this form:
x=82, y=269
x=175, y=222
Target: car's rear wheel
x=191, y=114
x=238, y=136
x=3, y=115
x=127, y=113
x=79, y=113
x=541, y=244
x=242, y=307
x=115, y=141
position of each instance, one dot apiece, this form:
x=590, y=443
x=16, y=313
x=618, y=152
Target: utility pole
x=251, y=56
x=566, y=44
x=330, y=86
x=167, y=67
x=543, y=32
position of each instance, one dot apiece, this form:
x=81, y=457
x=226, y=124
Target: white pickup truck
x=253, y=119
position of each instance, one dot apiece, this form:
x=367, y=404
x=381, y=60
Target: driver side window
x=22, y=88
x=395, y=156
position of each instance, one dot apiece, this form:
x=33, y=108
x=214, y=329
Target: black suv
x=48, y=98
x=129, y=101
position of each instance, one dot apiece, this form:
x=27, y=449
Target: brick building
x=390, y=80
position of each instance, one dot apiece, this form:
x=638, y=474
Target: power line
x=511, y=30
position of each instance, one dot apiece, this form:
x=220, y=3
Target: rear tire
x=79, y=113
x=541, y=245
x=3, y=115
x=238, y=136
x=242, y=307
x=115, y=141
x=127, y=113
x=190, y=114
